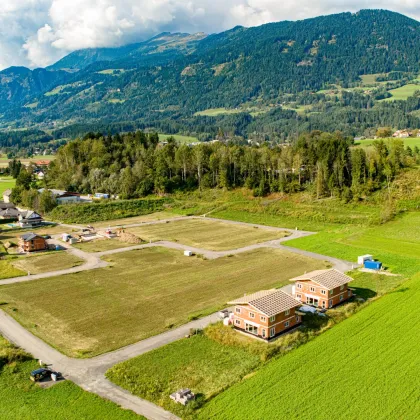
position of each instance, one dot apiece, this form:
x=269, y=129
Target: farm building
x=63, y=197
x=31, y=242
x=266, y=314
x=322, y=288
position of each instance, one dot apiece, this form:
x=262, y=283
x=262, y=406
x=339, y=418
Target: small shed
x=362, y=258
x=188, y=253
x=373, y=265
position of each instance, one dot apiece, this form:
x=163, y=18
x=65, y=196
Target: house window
x=312, y=289
x=324, y=304
x=263, y=318
x=331, y=292
x=297, y=318
x=341, y=298
x=298, y=296
x=272, y=332
x=331, y=302
x=324, y=292
x=286, y=324
x=341, y=287
x=272, y=318
x=287, y=312
x=263, y=333
x=238, y=310
x=251, y=315
x=251, y=329
x=299, y=286
x=237, y=322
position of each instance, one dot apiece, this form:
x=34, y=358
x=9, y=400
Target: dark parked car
x=47, y=237
x=41, y=373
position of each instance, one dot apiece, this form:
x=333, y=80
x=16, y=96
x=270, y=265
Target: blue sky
x=36, y=33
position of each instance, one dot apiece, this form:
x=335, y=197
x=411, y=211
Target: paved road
x=90, y=373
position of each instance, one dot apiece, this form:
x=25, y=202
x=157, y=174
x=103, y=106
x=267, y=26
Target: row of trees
x=136, y=164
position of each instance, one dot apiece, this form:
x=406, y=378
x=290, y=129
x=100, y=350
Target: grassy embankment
x=140, y=292
x=21, y=399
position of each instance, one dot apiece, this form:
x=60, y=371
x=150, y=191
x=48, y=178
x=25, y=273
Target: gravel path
x=90, y=373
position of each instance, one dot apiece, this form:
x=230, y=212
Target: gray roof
x=269, y=302
x=29, y=236
x=4, y=205
x=11, y=212
x=329, y=279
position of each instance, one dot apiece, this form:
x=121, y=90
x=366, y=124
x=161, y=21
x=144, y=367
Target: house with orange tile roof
x=266, y=314
x=322, y=288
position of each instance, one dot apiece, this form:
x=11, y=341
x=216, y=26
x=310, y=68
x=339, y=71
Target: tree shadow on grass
x=364, y=293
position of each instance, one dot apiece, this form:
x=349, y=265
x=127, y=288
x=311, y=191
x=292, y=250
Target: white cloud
x=39, y=32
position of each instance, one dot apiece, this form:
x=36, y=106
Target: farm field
x=411, y=141
x=23, y=400
x=364, y=360
x=153, y=217
x=179, y=138
x=131, y=300
x=198, y=363
x=214, y=112
x=42, y=263
x=101, y=245
x=4, y=161
x=349, y=242
x=402, y=93
x=6, y=182
x=208, y=234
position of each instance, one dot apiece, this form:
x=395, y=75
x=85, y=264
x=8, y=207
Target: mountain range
x=178, y=77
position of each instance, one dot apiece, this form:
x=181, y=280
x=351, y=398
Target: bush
x=109, y=210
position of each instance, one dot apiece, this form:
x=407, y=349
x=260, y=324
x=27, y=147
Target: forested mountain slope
x=160, y=81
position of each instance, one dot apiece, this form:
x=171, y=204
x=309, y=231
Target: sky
x=37, y=33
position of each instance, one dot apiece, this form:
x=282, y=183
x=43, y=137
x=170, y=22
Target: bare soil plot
x=141, y=294
x=44, y=262
x=207, y=234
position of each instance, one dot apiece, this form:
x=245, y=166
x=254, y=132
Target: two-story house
x=266, y=314
x=322, y=288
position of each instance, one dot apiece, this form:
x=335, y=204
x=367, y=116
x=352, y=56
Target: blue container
x=373, y=265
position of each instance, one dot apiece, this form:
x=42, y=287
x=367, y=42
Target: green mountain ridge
x=164, y=81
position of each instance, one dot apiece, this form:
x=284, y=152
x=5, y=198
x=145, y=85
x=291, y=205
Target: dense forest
x=136, y=165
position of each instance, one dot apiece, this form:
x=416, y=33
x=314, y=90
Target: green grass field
x=214, y=112
x=411, y=141
x=101, y=245
x=4, y=162
x=42, y=263
x=7, y=270
x=396, y=244
x=160, y=215
x=6, y=182
x=179, y=138
x=208, y=234
x=359, y=364
x=198, y=363
x=21, y=399
x=402, y=93
x=100, y=310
